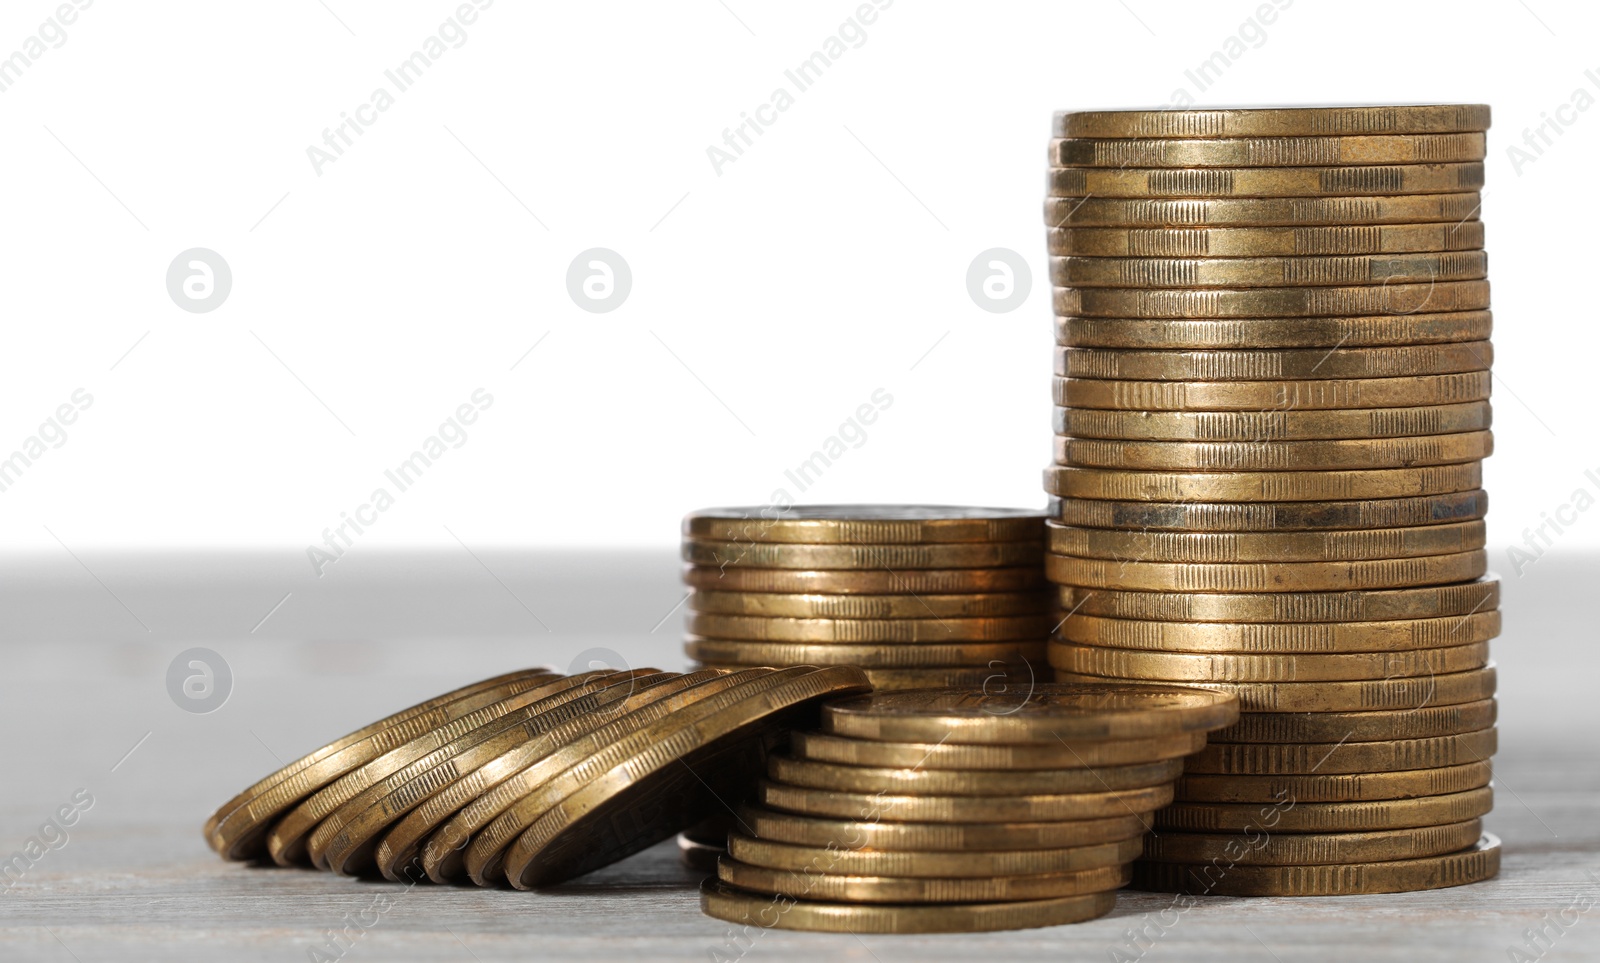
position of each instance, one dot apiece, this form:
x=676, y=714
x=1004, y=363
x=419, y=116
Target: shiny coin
x=1272, y=516
x=1275, y=121
x=1378, y=639
x=865, y=832
x=1266, y=576
x=1374, y=543
x=1271, y=425
x=1354, y=817
x=1259, y=759
x=1323, y=787
x=1267, y=486
x=876, y=655
x=1244, y=242
x=1259, y=333
x=1074, y=754
x=997, y=676
x=1364, y=606
x=768, y=555
x=910, y=889
x=698, y=856
x=835, y=804
x=1299, y=849
x=982, y=783
x=838, y=856
x=1426, y=722
x=1398, y=297
x=864, y=524
x=934, y=629
x=736, y=578
x=1273, y=396
x=780, y=605
x=1268, y=151
x=1261, y=211
x=724, y=902
x=1286, y=364
x=1090, y=660
x=1237, y=272
x=1412, y=692
x=1265, y=181
x=1335, y=454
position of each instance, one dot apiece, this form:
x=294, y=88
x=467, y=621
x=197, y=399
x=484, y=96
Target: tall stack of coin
x=917, y=595
x=943, y=810
x=1272, y=401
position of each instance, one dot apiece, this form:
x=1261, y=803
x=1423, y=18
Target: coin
x=1275, y=121
x=944, y=756
x=952, y=555
x=867, y=833
x=1246, y=486
x=1422, y=723
x=1051, y=714
x=1260, y=333
x=1326, y=454
x=1255, y=759
x=981, y=783
x=864, y=582
x=1077, y=659
x=1261, y=211
x=1371, y=543
x=1378, y=639
x=1272, y=516
x=839, y=857
x=1286, y=242
x=1356, y=787
x=1268, y=396
x=1351, y=181
x=1299, y=849
x=935, y=629
x=1272, y=425
x=798, y=606
x=1479, y=862
x=699, y=856
x=864, y=524
x=1411, y=692
x=1399, y=297
x=835, y=804
x=1351, y=817
x=1286, y=364
x=877, y=655
x=1432, y=601
x=723, y=902
x=1266, y=576
x=1236, y=272
x=1268, y=151
x=998, y=676
x=910, y=889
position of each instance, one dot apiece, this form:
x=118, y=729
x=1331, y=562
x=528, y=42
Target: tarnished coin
x=980, y=783
x=1271, y=516
x=1254, y=577
x=1297, y=727
x=1258, y=759
x=792, y=556
x=910, y=889
x=736, y=578
x=1271, y=396
x=1247, y=272
x=816, y=606
x=1322, y=151
x=850, y=858
x=1372, y=543
x=1378, y=605
x=1395, y=297
x=1073, y=754
x=1300, y=849
x=1410, y=692
x=1220, y=242
x=1287, y=639
x=864, y=524
x=1353, y=181
x=1258, y=333
x=1266, y=486
x=838, y=804
x=1479, y=862
x=1091, y=660
x=875, y=655
x=1261, y=211
x=932, y=629
x=1275, y=121
x=1350, y=817
x=1287, y=364
x=867, y=832
x=1272, y=425
x=1328, y=454
x=724, y=902
x=1326, y=787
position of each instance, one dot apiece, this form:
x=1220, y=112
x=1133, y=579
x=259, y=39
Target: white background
x=767, y=302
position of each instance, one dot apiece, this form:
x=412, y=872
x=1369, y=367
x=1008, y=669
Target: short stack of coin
x=916, y=595
x=941, y=810
x=1273, y=381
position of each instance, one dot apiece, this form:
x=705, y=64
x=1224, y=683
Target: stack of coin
x=1273, y=381
x=916, y=595
x=940, y=810
x=529, y=778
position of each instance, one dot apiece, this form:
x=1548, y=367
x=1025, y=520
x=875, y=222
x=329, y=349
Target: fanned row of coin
x=939, y=810
x=1273, y=382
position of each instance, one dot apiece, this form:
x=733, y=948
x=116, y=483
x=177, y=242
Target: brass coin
x=1267, y=486
x=1356, y=787
x=910, y=889
x=736, y=578
x=1352, y=817
x=1411, y=692
x=1258, y=333
x=1219, y=242
x=877, y=655
x=1269, y=396
x=1259, y=759
x=1271, y=516
x=864, y=524
x=1074, y=754
x=1379, y=639
x=1266, y=576
x=1380, y=605
x=1275, y=121
x=981, y=783
x=946, y=837
x=1336, y=454
x=844, y=858
x=1287, y=364
x=834, y=804
x=726, y=903
x=932, y=629
x=766, y=555
x=1268, y=151
x=998, y=676
x=1249, y=272
x=1472, y=865
x=1234, y=426
x=780, y=605
x=1077, y=659
x=1371, y=543
x=1299, y=849
x=1351, y=181
x=1051, y=714
x=1399, y=297
x=1426, y=722
x=1261, y=211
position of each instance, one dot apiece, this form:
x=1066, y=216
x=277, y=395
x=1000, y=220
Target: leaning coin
x=1271, y=425
x=863, y=524
x=911, y=889
x=1351, y=817
x=875, y=655
x=1354, y=787
x=929, y=629
x=1073, y=754
x=1473, y=685
x=1397, y=297
x=980, y=783
x=1379, y=639
x=1269, y=396
x=726, y=903
x=790, y=556
x=735, y=578
x=1249, y=272
x=1351, y=181
x=816, y=606
x=1372, y=543
x=1267, y=151
x=1286, y=364
x=866, y=832
x=1434, y=601
x=835, y=856
x=1275, y=121
x=998, y=676
x=836, y=804
x=1261, y=211
x=1271, y=516
x=1256, y=759
x=1343, y=454
x=1259, y=333
x=1330, y=727
x=1479, y=862
x=1265, y=241
x=1313, y=848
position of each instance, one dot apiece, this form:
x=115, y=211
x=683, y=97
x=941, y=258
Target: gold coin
x=910, y=889
x=1380, y=605
x=1223, y=517
x=726, y=903
x=1372, y=543
x=864, y=524
x=1325, y=454
x=1399, y=297
x=237, y=830
x=1426, y=722
x=1353, y=181
x=1275, y=121
x=1049, y=715
x=1235, y=426
x=1475, y=864
x=1299, y=849
x=870, y=833
x=1267, y=486
x=953, y=555
x=1287, y=364
x=982, y=783
x=627, y=799
x=1357, y=787
x=843, y=858
x=1351, y=817
x=998, y=676
x=1271, y=396
x=1078, y=659
x=865, y=582
x=834, y=804
x=1258, y=333
x=772, y=629
x=1266, y=576
x=1410, y=692
x=1261, y=211
x=1256, y=242
x=780, y=605
x=1234, y=272
x=1268, y=151
x=1259, y=759
x=877, y=655
x=1076, y=754
x=1287, y=639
